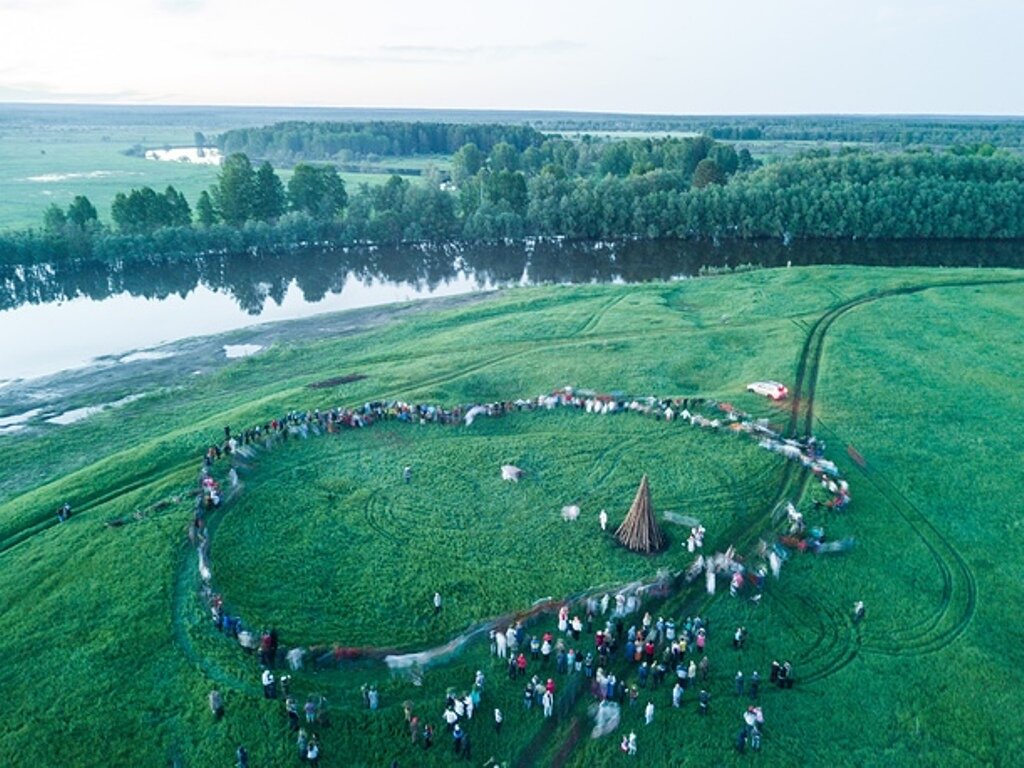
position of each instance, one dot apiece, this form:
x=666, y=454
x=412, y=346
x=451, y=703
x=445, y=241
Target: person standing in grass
x=269, y=686
x=499, y=718
x=291, y=707
x=786, y=675
x=501, y=644
x=437, y=603
x=407, y=474
x=216, y=704
x=242, y=757
x=457, y=736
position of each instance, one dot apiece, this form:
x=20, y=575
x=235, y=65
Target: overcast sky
x=658, y=56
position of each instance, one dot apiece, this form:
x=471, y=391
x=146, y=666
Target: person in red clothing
x=521, y=664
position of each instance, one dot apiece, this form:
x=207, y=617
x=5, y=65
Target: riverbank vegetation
x=648, y=188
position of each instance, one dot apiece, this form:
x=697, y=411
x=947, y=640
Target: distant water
x=55, y=317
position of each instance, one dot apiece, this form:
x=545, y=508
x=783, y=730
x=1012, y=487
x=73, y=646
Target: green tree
x=726, y=158
x=54, y=219
x=269, y=195
x=504, y=157
x=508, y=187
x=233, y=193
x=466, y=163
x=745, y=161
x=81, y=212
x=318, y=190
x=390, y=196
x=206, y=214
x=176, y=211
x=616, y=159
x=707, y=173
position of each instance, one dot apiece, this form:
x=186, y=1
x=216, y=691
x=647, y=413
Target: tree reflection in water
x=253, y=279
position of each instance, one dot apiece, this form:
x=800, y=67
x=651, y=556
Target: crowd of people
x=624, y=665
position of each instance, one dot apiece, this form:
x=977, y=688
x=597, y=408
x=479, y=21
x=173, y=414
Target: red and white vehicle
x=772, y=389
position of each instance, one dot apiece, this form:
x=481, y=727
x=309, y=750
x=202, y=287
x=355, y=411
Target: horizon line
x=514, y=110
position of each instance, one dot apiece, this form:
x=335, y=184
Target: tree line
x=936, y=132
x=345, y=141
x=687, y=188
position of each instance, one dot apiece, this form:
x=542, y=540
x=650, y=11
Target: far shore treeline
x=513, y=182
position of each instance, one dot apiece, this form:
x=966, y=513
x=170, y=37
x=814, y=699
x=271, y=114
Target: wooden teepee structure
x=639, y=531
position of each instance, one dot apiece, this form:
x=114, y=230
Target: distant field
x=42, y=164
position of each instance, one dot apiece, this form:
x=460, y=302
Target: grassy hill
x=110, y=652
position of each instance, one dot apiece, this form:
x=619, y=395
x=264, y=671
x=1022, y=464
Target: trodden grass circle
x=329, y=544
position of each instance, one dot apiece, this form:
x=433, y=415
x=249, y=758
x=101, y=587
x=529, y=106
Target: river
x=67, y=316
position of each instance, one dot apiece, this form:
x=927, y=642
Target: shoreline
x=107, y=379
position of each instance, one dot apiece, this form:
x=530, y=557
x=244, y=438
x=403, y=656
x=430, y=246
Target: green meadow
x=42, y=164
x=910, y=376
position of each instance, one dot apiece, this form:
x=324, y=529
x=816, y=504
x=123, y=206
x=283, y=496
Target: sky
x=643, y=56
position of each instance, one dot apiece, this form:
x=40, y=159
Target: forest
x=692, y=188
x=293, y=141
x=290, y=141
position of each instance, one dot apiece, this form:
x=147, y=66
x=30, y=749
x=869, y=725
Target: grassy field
x=42, y=164
x=345, y=495
x=110, y=652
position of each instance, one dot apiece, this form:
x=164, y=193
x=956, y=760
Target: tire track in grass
x=927, y=624
x=604, y=469
x=844, y=642
x=795, y=481
x=376, y=510
x=799, y=622
x=795, y=484
x=808, y=370
x=959, y=583
x=598, y=316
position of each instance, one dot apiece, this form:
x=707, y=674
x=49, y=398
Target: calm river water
x=56, y=317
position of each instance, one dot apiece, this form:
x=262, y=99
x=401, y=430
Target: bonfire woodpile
x=639, y=531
